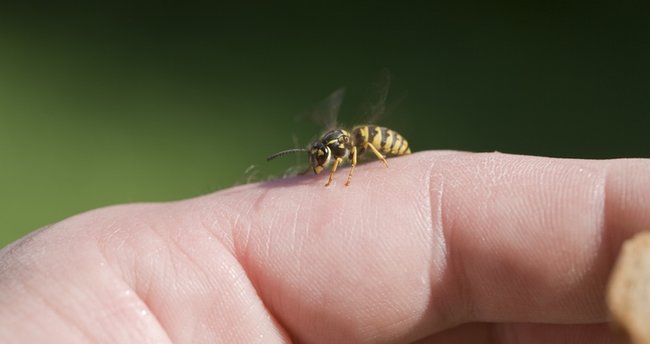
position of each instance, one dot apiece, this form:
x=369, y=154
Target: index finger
x=439, y=238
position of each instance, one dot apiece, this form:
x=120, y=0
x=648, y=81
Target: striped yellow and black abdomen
x=387, y=141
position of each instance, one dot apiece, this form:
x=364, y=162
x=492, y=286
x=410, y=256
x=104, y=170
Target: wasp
x=338, y=145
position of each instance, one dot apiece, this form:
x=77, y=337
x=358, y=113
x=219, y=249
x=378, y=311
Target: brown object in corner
x=628, y=294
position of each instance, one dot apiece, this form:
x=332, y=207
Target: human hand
x=441, y=247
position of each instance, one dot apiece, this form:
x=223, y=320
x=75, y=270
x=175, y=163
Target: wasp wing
x=374, y=106
x=326, y=111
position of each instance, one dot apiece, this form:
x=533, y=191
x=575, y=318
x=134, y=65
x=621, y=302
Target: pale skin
x=441, y=247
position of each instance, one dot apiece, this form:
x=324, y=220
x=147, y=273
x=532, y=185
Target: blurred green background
x=156, y=101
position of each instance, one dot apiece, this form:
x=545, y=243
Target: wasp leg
x=379, y=155
x=336, y=164
x=354, y=163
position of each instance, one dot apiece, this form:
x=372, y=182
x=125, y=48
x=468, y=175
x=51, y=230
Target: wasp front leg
x=353, y=157
x=337, y=162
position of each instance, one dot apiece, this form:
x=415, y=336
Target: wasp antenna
x=288, y=151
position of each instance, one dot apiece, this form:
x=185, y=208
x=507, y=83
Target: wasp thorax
x=319, y=155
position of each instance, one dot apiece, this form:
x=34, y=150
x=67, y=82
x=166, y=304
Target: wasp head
x=319, y=156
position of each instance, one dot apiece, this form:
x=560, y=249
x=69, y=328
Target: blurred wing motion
x=327, y=111
x=375, y=105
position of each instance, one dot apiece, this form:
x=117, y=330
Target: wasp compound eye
x=318, y=154
x=323, y=155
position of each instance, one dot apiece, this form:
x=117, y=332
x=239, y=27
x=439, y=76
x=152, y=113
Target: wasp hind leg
x=353, y=156
x=377, y=154
x=337, y=162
